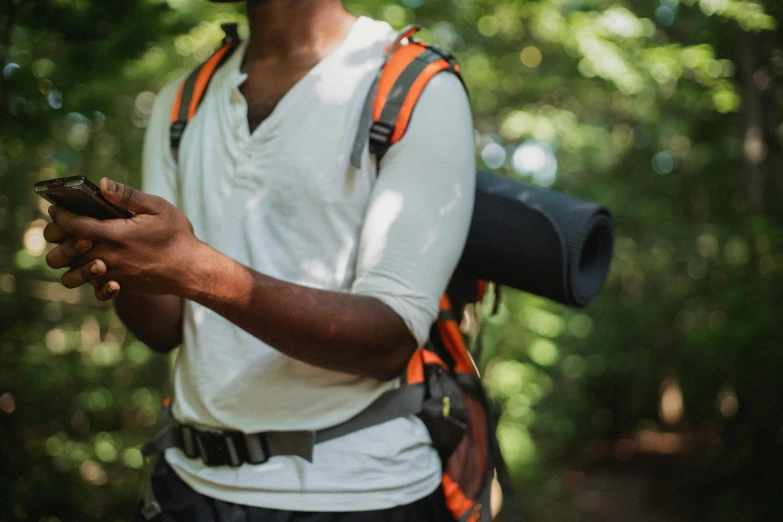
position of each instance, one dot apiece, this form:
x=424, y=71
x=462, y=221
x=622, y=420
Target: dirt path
x=608, y=496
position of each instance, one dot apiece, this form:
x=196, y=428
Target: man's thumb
x=126, y=197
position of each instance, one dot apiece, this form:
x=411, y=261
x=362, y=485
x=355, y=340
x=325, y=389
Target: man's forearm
x=155, y=320
x=338, y=331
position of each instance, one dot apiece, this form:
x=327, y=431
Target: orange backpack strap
x=192, y=90
x=408, y=68
x=452, y=340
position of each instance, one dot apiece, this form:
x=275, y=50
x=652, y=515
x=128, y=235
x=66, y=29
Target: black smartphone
x=78, y=195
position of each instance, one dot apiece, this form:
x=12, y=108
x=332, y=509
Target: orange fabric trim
x=203, y=78
x=167, y=402
x=456, y=500
x=453, y=341
x=415, y=372
x=177, y=102
x=430, y=358
x=391, y=71
x=454, y=344
x=413, y=96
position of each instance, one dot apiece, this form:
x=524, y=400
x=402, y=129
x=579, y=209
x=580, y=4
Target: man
x=297, y=286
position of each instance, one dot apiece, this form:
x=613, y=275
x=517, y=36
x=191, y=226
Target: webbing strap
x=275, y=443
x=510, y=508
x=363, y=133
x=166, y=438
x=150, y=507
x=400, y=402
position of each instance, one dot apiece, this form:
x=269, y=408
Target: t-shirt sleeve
x=158, y=168
x=420, y=209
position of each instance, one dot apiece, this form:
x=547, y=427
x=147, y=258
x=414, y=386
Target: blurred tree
x=77, y=397
x=667, y=112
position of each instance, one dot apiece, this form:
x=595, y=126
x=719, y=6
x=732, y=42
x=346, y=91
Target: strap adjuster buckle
x=151, y=509
x=256, y=448
x=175, y=132
x=380, y=138
x=223, y=448
x=218, y=449
x=187, y=437
x=405, y=34
x=443, y=53
x=232, y=33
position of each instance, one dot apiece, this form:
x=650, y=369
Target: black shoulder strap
x=408, y=67
x=192, y=90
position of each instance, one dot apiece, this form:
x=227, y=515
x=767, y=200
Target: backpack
x=442, y=385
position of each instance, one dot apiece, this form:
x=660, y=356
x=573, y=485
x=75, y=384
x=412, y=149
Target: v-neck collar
x=235, y=77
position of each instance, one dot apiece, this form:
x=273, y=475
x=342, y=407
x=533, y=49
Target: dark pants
x=181, y=504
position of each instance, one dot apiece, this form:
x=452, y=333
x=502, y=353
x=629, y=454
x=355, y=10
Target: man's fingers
x=80, y=226
x=84, y=274
x=128, y=198
x=53, y=233
x=108, y=291
x=66, y=253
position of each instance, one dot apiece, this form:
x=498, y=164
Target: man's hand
x=146, y=254
x=156, y=253
x=70, y=252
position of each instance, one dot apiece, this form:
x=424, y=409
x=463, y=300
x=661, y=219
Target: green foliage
x=667, y=112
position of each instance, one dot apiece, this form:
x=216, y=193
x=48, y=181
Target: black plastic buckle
x=256, y=448
x=187, y=441
x=405, y=34
x=232, y=33
x=176, y=131
x=443, y=53
x=219, y=449
x=380, y=138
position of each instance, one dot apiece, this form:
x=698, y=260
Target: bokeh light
x=664, y=162
x=537, y=160
x=493, y=155
x=531, y=56
x=665, y=15
x=9, y=69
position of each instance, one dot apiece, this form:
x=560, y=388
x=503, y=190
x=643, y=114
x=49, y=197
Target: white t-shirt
x=285, y=201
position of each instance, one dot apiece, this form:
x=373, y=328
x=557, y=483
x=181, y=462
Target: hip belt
x=234, y=448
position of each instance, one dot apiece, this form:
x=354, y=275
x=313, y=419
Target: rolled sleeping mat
x=542, y=242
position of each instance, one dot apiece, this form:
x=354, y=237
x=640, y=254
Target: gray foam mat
x=543, y=242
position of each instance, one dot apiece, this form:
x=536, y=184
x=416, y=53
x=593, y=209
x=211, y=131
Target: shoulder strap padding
x=396, y=90
x=404, y=77
x=192, y=90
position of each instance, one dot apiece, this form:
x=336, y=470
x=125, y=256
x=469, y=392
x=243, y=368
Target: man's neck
x=281, y=29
